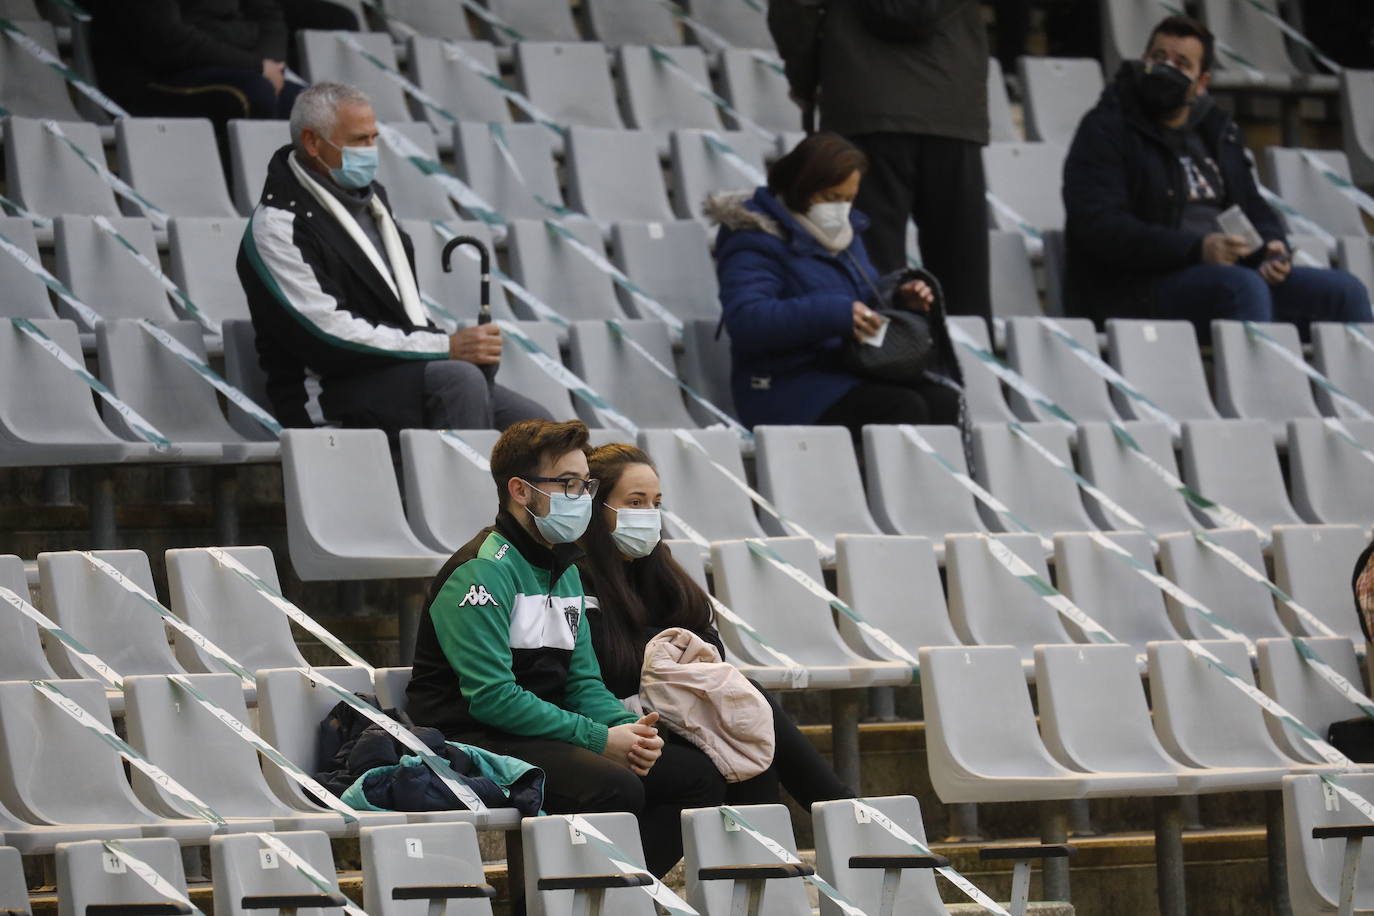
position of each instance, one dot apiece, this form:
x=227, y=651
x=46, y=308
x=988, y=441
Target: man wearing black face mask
x=1151, y=169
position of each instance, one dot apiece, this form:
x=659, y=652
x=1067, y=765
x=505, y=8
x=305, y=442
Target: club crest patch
x=572, y=613
x=477, y=596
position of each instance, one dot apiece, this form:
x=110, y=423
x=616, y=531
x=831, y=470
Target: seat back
x=990, y=606
x=1161, y=359
x=656, y=97
x=1013, y=282
x=1002, y=126
x=412, y=193
x=437, y=67
x=627, y=379
x=1118, y=472
x=841, y=833
x=102, y=272
x=1312, y=564
x=420, y=855
x=520, y=373
x=535, y=20
x=700, y=169
x=432, y=17
x=708, y=842
x=1253, y=382
x=174, y=162
x=686, y=473
x=1026, y=177
x=672, y=263
x=1340, y=355
x=552, y=269
x=1050, y=364
x=290, y=709
x=909, y=492
x=1249, y=33
x=1332, y=480
x=21, y=649
x=14, y=890
x=740, y=24
x=811, y=474
x=243, y=371
x=1245, y=605
x=324, y=56
x=251, y=145
x=1058, y=92
x=1314, y=866
x=1233, y=462
x=554, y=848
x=1041, y=495
x=756, y=91
x=1126, y=28
x=479, y=161
x=894, y=584
x=89, y=875
x=25, y=295
x=614, y=174
x=628, y=22
x=1292, y=682
x=459, y=290
x=245, y=867
x=434, y=471
x=1115, y=595
x=47, y=177
x=982, y=389
x=32, y=89
x=705, y=365
x=569, y=80
x=203, y=252
x=1357, y=128
x=1309, y=191
x=391, y=684
x=228, y=609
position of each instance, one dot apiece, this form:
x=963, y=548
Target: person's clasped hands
x=635, y=745
x=479, y=344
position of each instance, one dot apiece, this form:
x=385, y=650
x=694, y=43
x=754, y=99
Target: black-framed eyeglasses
x=573, y=487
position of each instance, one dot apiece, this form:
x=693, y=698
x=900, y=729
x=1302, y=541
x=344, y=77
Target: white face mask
x=636, y=531
x=830, y=217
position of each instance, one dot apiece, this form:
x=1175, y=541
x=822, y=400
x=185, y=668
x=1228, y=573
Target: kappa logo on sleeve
x=477, y=596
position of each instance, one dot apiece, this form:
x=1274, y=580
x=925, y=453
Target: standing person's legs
x=885, y=196
x=952, y=221
x=456, y=396
x=1206, y=291
x=684, y=777
x=1317, y=294
x=509, y=407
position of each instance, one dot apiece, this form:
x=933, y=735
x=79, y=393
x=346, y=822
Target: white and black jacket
x=320, y=305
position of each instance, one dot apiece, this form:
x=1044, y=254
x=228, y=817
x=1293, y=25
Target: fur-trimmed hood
x=730, y=209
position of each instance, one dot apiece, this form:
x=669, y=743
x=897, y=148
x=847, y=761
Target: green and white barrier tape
x=581, y=830
x=76, y=80
x=1035, y=239
x=147, y=431
x=643, y=301
x=455, y=442
x=234, y=395
x=87, y=314
x=1297, y=222
x=1255, y=333
x=1112, y=376
x=120, y=859
x=798, y=675
x=491, y=19
x=693, y=535
x=498, y=137
x=1254, y=575
x=1297, y=37
x=92, y=661
x=1009, y=376
x=1056, y=599
x=156, y=214
x=717, y=145
x=540, y=308
x=1353, y=331
x=1342, y=184
x=166, y=282
x=1342, y=432
x=38, y=219
x=735, y=821
x=664, y=58
x=456, y=52
x=565, y=377
x=293, y=613
x=304, y=869
x=461, y=194
x=348, y=40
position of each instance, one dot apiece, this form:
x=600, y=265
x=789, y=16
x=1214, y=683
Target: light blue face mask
x=567, y=518
x=359, y=166
x=636, y=531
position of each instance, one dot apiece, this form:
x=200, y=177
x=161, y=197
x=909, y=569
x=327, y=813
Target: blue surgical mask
x=567, y=517
x=359, y=166
x=636, y=531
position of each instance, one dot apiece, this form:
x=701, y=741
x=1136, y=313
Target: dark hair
x=524, y=446
x=1185, y=27
x=650, y=591
x=820, y=161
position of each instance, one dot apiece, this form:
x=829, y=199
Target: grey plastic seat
x=44, y=175
x=21, y=650
x=1041, y=495
x=811, y=474
x=629, y=22
x=89, y=876
x=365, y=537
x=437, y=68
x=1314, y=866
x=245, y=884
x=658, y=99
x=479, y=162
x=1026, y=176
x=708, y=843
x=1162, y=361
x=522, y=374
x=1094, y=717
x=48, y=415
x=228, y=610
x=413, y=857
x=1261, y=44
x=170, y=394
x=203, y=254
x=894, y=584
x=1332, y=482
x=412, y=193
x=1312, y=565
x=1357, y=129
x=1118, y=472
x=1244, y=605
x=555, y=849
x=568, y=79
x=1296, y=181
x=685, y=474
x=1001, y=124
x=1285, y=676
x=624, y=377
x=989, y=606
x=32, y=89
x=841, y=835
x=614, y=174
x=738, y=23
x=102, y=273
x=1253, y=382
x=553, y=270
x=433, y=471
x=199, y=751
x=40, y=840
x=14, y=891
x=909, y=492
x=439, y=18
x=535, y=20
x=1013, y=283
x=251, y=145
x=242, y=370
x=25, y=295
x=982, y=390
x=174, y=162
x=1204, y=721
x=1348, y=364
x=390, y=684
x=54, y=771
x=1050, y=365
x=1126, y=27
x=458, y=290
x=757, y=91
x=672, y=263
x=1115, y=595
x=705, y=365
x=791, y=618
x=700, y=169
x=325, y=57
x=1233, y=462
x=1058, y=92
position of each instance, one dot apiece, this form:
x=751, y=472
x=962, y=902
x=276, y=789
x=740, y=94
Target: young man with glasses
x=504, y=659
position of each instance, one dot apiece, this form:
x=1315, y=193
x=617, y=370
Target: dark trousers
x=580, y=782
x=1206, y=291
x=938, y=182
x=797, y=767
x=884, y=403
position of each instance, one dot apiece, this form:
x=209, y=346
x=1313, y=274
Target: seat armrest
x=158, y=908
x=292, y=901
x=1348, y=831
x=442, y=892
x=1032, y=851
x=755, y=872
x=899, y=861
x=585, y=882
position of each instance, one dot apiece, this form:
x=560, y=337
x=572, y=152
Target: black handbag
x=908, y=349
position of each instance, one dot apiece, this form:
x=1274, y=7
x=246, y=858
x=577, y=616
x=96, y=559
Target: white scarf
x=398, y=277
x=831, y=243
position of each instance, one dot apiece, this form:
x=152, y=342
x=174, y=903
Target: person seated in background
x=504, y=658
x=330, y=282
x=1150, y=170
x=796, y=282
x=635, y=590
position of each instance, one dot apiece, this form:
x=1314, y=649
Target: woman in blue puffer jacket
x=795, y=282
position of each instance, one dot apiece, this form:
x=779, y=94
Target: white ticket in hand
x=1233, y=221
x=876, y=338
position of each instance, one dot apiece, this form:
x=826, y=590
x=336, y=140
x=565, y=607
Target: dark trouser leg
x=1315, y=294
x=684, y=777
x=576, y=781
x=1206, y=291
x=509, y=407
x=797, y=766
x=456, y=396
x=885, y=196
x=952, y=219
x=217, y=93
x=881, y=402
